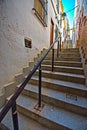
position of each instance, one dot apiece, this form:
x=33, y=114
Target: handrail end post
x=15, y=117
x=39, y=97
x=52, y=59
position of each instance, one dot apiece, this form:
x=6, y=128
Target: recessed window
x=40, y=10
x=28, y=43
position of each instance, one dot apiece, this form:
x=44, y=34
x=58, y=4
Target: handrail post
x=39, y=97
x=60, y=43
x=15, y=117
x=57, y=48
x=52, y=59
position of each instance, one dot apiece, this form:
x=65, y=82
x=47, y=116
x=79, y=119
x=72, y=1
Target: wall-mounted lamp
x=63, y=14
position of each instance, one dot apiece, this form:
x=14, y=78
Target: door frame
x=51, y=31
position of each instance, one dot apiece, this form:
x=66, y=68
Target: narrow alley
x=43, y=65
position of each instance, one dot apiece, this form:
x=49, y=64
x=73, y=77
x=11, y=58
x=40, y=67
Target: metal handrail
x=12, y=102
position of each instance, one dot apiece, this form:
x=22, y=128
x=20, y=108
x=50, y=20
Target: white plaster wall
x=17, y=21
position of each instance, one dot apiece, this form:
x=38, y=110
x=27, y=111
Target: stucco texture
x=18, y=21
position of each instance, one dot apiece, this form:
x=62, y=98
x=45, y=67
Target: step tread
x=82, y=102
x=77, y=49
x=66, y=67
x=57, y=115
x=25, y=123
x=3, y=127
x=64, y=74
x=69, y=58
x=63, y=83
x=65, y=61
x=70, y=55
x=77, y=53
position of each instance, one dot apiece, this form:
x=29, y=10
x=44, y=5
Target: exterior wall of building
x=83, y=37
x=61, y=21
x=76, y=22
x=64, y=26
x=73, y=35
x=17, y=21
x=81, y=31
x=81, y=25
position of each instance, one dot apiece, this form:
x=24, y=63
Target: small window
x=28, y=43
x=40, y=10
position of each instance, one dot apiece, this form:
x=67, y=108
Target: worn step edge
x=65, y=58
x=64, y=87
x=34, y=114
x=78, y=68
x=3, y=127
x=70, y=49
x=41, y=119
x=19, y=78
x=9, y=89
x=73, y=70
x=63, y=76
x=78, y=109
x=58, y=115
x=70, y=53
x=68, y=59
x=24, y=122
x=63, y=63
x=65, y=55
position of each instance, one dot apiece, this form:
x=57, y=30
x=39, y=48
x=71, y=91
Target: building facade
x=64, y=27
x=81, y=25
x=25, y=28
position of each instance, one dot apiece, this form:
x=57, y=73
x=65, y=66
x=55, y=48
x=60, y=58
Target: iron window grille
x=40, y=10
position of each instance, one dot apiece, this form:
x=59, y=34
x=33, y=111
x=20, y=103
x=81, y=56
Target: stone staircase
x=64, y=95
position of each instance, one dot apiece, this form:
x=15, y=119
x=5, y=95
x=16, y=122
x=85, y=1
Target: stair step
x=63, y=76
x=51, y=116
x=3, y=127
x=70, y=49
x=25, y=123
x=61, y=54
x=67, y=87
x=67, y=50
x=70, y=54
x=65, y=55
x=64, y=100
x=64, y=58
x=63, y=63
x=73, y=70
x=68, y=59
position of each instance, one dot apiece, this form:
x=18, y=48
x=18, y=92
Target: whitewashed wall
x=17, y=21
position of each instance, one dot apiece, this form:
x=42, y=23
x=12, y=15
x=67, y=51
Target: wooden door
x=51, y=31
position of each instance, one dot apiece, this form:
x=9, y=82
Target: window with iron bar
x=40, y=10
